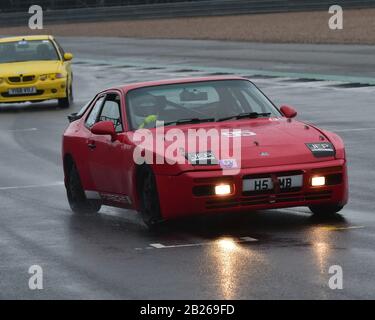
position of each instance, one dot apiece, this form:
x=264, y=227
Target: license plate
x=265, y=184
x=20, y=91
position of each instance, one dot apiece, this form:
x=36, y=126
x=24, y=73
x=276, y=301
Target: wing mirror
x=288, y=112
x=68, y=56
x=73, y=117
x=105, y=128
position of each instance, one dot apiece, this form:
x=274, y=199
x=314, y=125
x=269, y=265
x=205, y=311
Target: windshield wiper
x=189, y=120
x=251, y=115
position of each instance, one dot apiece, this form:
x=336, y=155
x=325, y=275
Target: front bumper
x=177, y=197
x=46, y=90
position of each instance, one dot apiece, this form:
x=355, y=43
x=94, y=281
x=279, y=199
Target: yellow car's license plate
x=20, y=91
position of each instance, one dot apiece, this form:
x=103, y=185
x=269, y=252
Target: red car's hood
x=263, y=142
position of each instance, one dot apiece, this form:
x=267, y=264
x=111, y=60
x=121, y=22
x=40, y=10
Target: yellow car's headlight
x=51, y=76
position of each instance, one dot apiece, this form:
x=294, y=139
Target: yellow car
x=35, y=68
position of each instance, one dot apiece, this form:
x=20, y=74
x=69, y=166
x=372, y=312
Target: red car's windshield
x=198, y=100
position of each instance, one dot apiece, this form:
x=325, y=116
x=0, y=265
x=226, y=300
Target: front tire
x=76, y=195
x=65, y=103
x=325, y=210
x=150, y=205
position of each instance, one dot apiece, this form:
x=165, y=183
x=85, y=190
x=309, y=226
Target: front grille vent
x=18, y=79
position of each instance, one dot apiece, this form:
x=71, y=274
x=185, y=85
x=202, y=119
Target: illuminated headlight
x=318, y=181
x=222, y=189
x=43, y=77
x=59, y=76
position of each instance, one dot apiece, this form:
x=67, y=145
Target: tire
x=325, y=210
x=150, y=205
x=76, y=195
x=65, y=103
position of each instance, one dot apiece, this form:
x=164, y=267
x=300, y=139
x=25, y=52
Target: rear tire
x=65, y=103
x=76, y=195
x=325, y=210
x=150, y=205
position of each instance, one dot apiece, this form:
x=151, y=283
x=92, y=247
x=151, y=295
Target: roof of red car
x=131, y=86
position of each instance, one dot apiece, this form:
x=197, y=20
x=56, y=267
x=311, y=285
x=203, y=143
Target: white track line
x=23, y=130
x=353, y=129
x=333, y=228
x=162, y=246
x=33, y=186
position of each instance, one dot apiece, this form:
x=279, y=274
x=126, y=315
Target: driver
x=149, y=121
x=151, y=107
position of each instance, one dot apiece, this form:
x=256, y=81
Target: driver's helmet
x=147, y=108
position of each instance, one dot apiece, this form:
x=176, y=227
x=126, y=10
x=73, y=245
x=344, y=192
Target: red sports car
x=191, y=146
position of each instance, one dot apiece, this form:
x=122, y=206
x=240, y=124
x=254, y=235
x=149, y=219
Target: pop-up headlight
x=321, y=149
x=202, y=158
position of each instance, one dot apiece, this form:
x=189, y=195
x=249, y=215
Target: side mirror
x=104, y=128
x=68, y=56
x=288, y=112
x=73, y=117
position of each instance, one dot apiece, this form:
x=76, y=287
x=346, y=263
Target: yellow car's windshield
x=24, y=50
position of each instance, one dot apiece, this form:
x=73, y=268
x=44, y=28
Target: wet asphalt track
x=274, y=254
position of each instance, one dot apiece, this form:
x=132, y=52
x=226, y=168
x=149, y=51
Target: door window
x=111, y=111
x=93, y=115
